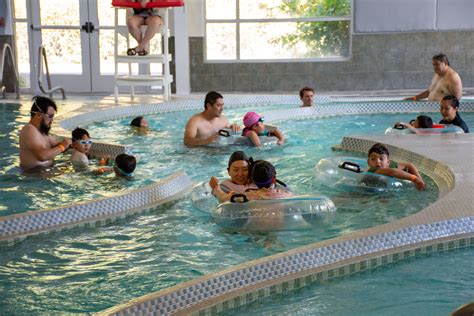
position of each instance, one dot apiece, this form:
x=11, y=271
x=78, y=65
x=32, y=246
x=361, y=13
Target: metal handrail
x=42, y=58
x=7, y=51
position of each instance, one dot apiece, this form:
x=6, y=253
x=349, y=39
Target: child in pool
x=123, y=166
x=421, y=121
x=379, y=163
x=254, y=128
x=81, y=144
x=263, y=175
x=139, y=125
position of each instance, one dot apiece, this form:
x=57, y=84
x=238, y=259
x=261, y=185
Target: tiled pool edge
x=342, y=269
x=198, y=296
x=324, y=109
x=16, y=228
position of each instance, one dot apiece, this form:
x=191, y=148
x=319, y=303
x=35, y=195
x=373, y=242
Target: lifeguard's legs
x=133, y=23
x=153, y=24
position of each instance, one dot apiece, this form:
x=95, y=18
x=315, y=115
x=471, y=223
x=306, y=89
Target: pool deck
x=446, y=224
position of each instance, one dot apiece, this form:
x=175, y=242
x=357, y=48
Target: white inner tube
x=329, y=173
x=446, y=129
x=299, y=212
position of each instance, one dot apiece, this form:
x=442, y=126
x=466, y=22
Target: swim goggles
x=126, y=174
x=50, y=116
x=85, y=142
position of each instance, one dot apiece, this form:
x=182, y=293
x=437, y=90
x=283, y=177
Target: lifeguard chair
x=132, y=80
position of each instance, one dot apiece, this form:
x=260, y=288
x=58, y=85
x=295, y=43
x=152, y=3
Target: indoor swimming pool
x=90, y=269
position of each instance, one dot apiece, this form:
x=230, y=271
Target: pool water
x=21, y=193
x=90, y=269
x=434, y=285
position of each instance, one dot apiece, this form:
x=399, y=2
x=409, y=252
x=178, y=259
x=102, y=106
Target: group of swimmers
x=123, y=165
x=449, y=107
x=38, y=148
x=256, y=180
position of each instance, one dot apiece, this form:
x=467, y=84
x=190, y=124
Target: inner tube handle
x=350, y=166
x=239, y=198
x=224, y=133
x=283, y=184
x=399, y=126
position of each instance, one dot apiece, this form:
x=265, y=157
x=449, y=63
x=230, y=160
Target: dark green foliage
x=325, y=38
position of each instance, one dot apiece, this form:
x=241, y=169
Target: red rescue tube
x=438, y=126
x=154, y=4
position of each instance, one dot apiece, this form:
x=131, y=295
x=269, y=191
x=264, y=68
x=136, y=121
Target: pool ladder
x=8, y=52
x=43, y=59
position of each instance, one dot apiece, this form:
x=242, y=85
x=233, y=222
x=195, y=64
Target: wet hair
x=126, y=163
x=41, y=105
x=211, y=98
x=424, y=121
x=236, y=156
x=137, y=122
x=453, y=99
x=302, y=91
x=263, y=173
x=442, y=58
x=78, y=133
x=380, y=149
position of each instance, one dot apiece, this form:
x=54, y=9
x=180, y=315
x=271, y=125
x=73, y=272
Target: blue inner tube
x=354, y=176
x=448, y=128
x=299, y=212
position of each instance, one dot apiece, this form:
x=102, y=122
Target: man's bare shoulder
x=453, y=75
x=197, y=117
x=29, y=129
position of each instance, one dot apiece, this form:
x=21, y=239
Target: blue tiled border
x=17, y=227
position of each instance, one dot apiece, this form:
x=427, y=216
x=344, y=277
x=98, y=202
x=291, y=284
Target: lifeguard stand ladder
x=165, y=79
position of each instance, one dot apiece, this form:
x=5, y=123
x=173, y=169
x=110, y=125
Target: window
x=21, y=42
x=277, y=29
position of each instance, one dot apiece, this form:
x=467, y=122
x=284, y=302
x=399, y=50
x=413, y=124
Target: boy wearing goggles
x=81, y=144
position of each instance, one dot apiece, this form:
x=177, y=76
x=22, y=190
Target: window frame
x=238, y=21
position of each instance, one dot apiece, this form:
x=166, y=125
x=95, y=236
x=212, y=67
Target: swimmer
x=238, y=170
x=123, y=166
x=37, y=147
x=81, y=144
x=263, y=174
x=421, y=121
x=448, y=108
x=202, y=128
x=446, y=81
x=254, y=128
x=379, y=163
x=139, y=125
x=307, y=96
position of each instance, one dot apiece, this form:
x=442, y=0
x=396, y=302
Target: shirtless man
x=445, y=81
x=37, y=147
x=202, y=128
x=307, y=96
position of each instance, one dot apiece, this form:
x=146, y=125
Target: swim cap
x=236, y=156
x=263, y=173
x=251, y=118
